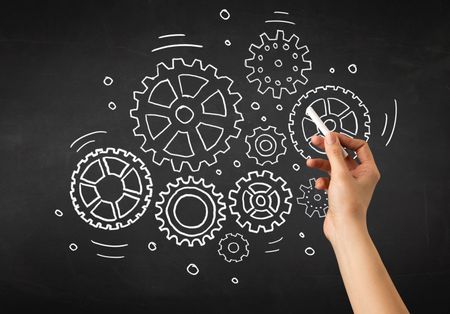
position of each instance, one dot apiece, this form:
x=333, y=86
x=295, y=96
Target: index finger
x=359, y=146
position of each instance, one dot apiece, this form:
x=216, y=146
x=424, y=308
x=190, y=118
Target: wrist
x=349, y=230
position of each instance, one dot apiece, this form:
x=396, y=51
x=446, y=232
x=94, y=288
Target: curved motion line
x=395, y=122
x=81, y=137
x=109, y=245
x=177, y=45
x=385, y=123
x=280, y=21
x=276, y=241
x=81, y=147
x=171, y=35
x=110, y=256
x=281, y=12
x=271, y=251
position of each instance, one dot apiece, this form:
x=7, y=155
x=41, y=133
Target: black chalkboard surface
x=153, y=152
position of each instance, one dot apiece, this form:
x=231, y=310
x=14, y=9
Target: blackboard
x=68, y=69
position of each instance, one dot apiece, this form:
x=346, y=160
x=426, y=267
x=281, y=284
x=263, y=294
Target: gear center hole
x=260, y=200
x=191, y=212
x=317, y=197
x=233, y=247
x=184, y=114
x=110, y=188
x=331, y=124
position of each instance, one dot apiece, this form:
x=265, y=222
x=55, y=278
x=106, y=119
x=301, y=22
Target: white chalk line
x=88, y=142
x=281, y=12
x=272, y=251
x=110, y=256
x=395, y=122
x=177, y=45
x=81, y=137
x=171, y=35
x=109, y=245
x=276, y=241
x=280, y=21
x=385, y=124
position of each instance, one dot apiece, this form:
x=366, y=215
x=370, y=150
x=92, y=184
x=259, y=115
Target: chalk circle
x=192, y=269
x=112, y=105
x=224, y=14
x=331, y=70
x=255, y=105
x=289, y=79
x=152, y=246
x=296, y=167
x=260, y=57
x=237, y=163
x=58, y=213
x=301, y=235
x=260, y=70
x=295, y=68
x=218, y=172
x=278, y=63
x=352, y=68
x=277, y=83
x=279, y=107
x=73, y=247
x=233, y=247
x=267, y=79
x=263, y=118
x=234, y=280
x=309, y=251
x=108, y=81
x=227, y=43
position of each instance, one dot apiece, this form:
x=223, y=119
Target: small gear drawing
x=278, y=64
x=340, y=109
x=260, y=201
x=233, y=247
x=176, y=206
x=186, y=114
x=265, y=145
x=315, y=201
x=110, y=188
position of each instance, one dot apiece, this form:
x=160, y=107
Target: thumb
x=333, y=149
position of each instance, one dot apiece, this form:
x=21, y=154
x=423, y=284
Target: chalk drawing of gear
x=186, y=114
x=265, y=145
x=340, y=109
x=315, y=201
x=233, y=247
x=278, y=64
x=178, y=211
x=260, y=201
x=111, y=188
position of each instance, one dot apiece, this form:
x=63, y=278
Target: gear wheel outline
x=354, y=108
x=166, y=198
x=276, y=140
x=286, y=45
x=172, y=76
x=273, y=217
x=99, y=156
x=230, y=255
x=313, y=204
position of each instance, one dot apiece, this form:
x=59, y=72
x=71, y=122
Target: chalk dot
x=286, y=47
x=108, y=81
x=277, y=83
x=218, y=172
x=279, y=107
x=224, y=14
x=295, y=55
x=263, y=118
x=227, y=43
x=112, y=105
x=192, y=269
x=296, y=167
x=152, y=246
x=275, y=46
x=58, y=213
x=289, y=79
x=73, y=247
x=266, y=48
x=237, y=163
x=267, y=79
x=260, y=57
x=331, y=70
x=309, y=251
x=235, y=280
x=278, y=63
x=352, y=68
x=255, y=105
x=301, y=235
x=295, y=68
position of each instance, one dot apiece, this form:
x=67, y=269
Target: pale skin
x=350, y=185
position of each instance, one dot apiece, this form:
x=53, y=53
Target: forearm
x=366, y=280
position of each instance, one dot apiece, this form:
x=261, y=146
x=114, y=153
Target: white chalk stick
x=320, y=125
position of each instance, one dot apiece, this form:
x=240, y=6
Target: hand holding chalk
x=320, y=125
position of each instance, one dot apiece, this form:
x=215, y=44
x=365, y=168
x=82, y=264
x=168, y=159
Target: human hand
x=350, y=184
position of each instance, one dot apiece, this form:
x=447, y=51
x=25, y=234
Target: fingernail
x=330, y=138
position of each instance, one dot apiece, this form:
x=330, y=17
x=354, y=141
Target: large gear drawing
x=260, y=201
x=110, y=188
x=265, y=145
x=186, y=114
x=233, y=247
x=278, y=64
x=315, y=201
x=182, y=197
x=340, y=109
